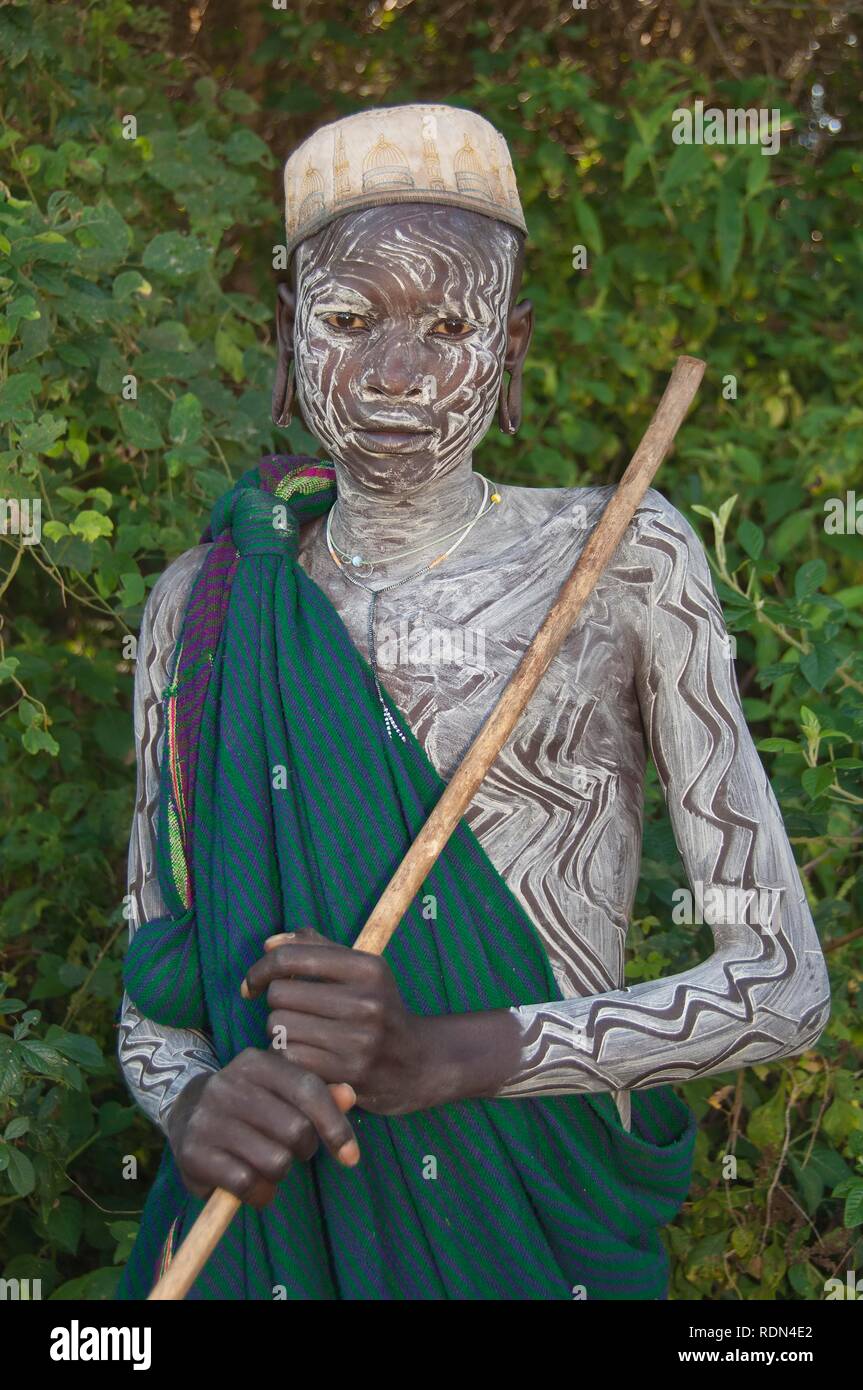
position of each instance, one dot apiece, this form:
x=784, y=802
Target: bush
x=138, y=219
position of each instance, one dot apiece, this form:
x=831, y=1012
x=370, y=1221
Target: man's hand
x=242, y=1127
x=338, y=1013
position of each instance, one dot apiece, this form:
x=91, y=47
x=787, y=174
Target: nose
x=394, y=373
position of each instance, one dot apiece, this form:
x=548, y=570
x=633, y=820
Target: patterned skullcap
x=399, y=154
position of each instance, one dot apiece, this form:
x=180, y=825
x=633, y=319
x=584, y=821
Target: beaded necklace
x=462, y=532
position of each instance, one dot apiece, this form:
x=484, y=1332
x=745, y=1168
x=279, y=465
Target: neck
x=376, y=525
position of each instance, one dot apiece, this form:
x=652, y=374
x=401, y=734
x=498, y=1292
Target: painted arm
x=763, y=993
x=157, y=1062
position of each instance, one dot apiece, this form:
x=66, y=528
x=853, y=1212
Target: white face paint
x=400, y=336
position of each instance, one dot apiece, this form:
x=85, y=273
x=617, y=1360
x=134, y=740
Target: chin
x=394, y=473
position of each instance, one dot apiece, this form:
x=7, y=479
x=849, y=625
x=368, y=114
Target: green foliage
x=135, y=367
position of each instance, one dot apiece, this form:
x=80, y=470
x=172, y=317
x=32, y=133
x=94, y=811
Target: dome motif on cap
x=469, y=177
x=312, y=194
x=385, y=166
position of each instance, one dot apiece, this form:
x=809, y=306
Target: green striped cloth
x=544, y=1198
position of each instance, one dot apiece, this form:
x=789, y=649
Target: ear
x=283, y=386
x=519, y=331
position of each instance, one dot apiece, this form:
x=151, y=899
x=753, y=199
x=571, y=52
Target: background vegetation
x=153, y=256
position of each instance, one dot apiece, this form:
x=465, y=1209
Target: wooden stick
x=408, y=878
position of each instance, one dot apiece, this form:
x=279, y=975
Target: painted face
x=400, y=335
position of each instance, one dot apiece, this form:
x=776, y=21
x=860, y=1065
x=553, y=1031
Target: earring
x=509, y=403
x=283, y=394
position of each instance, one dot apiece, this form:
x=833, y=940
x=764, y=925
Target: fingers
x=329, y=1066
x=339, y=1003
x=338, y=964
x=226, y=1170
x=254, y=1118
x=285, y=1026
x=307, y=1093
x=344, y=1095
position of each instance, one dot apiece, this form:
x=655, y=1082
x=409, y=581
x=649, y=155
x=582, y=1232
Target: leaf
x=132, y=592
x=114, y=1118
x=243, y=146
x=20, y=1173
x=853, y=1214
x=816, y=780
x=38, y=740
x=16, y=393
x=65, y=1223
x=809, y=577
x=228, y=355
x=809, y=720
x=78, y=1046
x=830, y=1165
x=28, y=713
x=99, y=1285
x=11, y=1067
x=636, y=157
x=80, y=451
x=187, y=419
x=129, y=283
x=729, y=230
x=36, y=438
x=175, y=256
x=819, y=665
x=778, y=745
x=140, y=428
x=809, y=1182
x=588, y=225
x=841, y=1119
x=125, y=1233
x=90, y=525
x=16, y=1128
x=766, y=1127
x=751, y=537
x=725, y=511
x=789, y=533
x=44, y=1061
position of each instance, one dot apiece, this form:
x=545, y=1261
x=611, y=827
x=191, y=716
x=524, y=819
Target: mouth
x=391, y=440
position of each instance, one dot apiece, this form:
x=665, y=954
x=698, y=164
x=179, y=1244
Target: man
x=506, y=1170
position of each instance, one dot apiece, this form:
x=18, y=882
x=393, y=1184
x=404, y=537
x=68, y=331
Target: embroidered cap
x=400, y=154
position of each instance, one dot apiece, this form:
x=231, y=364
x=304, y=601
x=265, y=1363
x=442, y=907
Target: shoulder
x=664, y=538
x=163, y=613
x=168, y=595
x=657, y=524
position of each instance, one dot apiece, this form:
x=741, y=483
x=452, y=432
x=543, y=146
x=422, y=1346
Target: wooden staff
x=408, y=878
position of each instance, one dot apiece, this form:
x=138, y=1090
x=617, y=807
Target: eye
x=347, y=323
x=451, y=328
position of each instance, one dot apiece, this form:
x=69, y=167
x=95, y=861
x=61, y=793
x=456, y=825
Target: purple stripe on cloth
x=204, y=619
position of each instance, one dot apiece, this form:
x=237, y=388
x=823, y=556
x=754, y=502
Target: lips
x=392, y=440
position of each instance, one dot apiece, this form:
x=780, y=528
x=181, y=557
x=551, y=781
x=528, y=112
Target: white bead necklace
x=389, y=719
x=357, y=562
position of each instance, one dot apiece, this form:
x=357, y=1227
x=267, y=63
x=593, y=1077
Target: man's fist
x=242, y=1127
